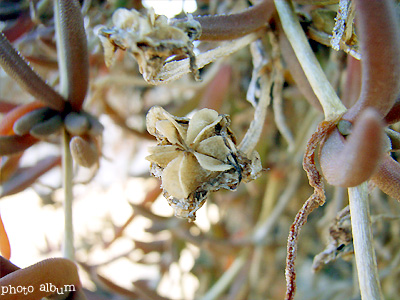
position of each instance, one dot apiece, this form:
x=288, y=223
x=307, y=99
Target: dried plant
x=194, y=157
x=342, y=57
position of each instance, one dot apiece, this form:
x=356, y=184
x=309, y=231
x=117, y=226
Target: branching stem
x=330, y=102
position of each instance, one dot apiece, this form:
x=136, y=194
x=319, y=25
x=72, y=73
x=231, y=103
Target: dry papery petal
x=182, y=176
x=198, y=161
x=163, y=155
x=211, y=164
x=157, y=113
x=199, y=121
x=167, y=129
x=214, y=146
x=352, y=161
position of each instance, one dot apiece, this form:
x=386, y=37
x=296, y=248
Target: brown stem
x=72, y=52
x=351, y=162
x=6, y=267
x=12, y=144
x=6, y=106
x=18, y=69
x=233, y=26
x=380, y=50
x=26, y=177
x=8, y=120
x=352, y=87
x=23, y=24
x=315, y=200
x=393, y=116
x=387, y=177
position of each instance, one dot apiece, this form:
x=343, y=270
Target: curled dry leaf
x=151, y=40
x=196, y=156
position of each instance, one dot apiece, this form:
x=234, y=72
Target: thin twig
x=330, y=102
x=68, y=245
x=219, y=287
x=176, y=69
x=363, y=244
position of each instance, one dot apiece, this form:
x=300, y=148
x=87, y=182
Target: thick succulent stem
x=72, y=53
x=233, y=26
x=18, y=69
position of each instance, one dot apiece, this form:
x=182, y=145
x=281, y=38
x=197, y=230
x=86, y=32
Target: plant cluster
x=302, y=84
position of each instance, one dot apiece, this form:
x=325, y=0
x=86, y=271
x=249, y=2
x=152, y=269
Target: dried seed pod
x=194, y=157
x=45, y=128
x=24, y=124
x=151, y=40
x=76, y=123
x=84, y=152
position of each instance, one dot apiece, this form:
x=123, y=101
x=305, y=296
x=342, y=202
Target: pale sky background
x=170, y=8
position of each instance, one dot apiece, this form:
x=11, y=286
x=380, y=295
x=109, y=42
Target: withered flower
x=196, y=156
x=150, y=39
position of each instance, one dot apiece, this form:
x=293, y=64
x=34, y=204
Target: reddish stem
x=12, y=144
x=26, y=177
x=7, y=123
x=351, y=162
x=23, y=25
x=353, y=82
x=393, y=116
x=74, y=45
x=233, y=26
x=380, y=50
x=387, y=177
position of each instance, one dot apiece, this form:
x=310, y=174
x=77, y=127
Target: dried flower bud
x=150, y=38
x=84, y=151
x=194, y=157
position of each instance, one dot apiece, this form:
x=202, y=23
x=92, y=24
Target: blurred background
x=129, y=244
